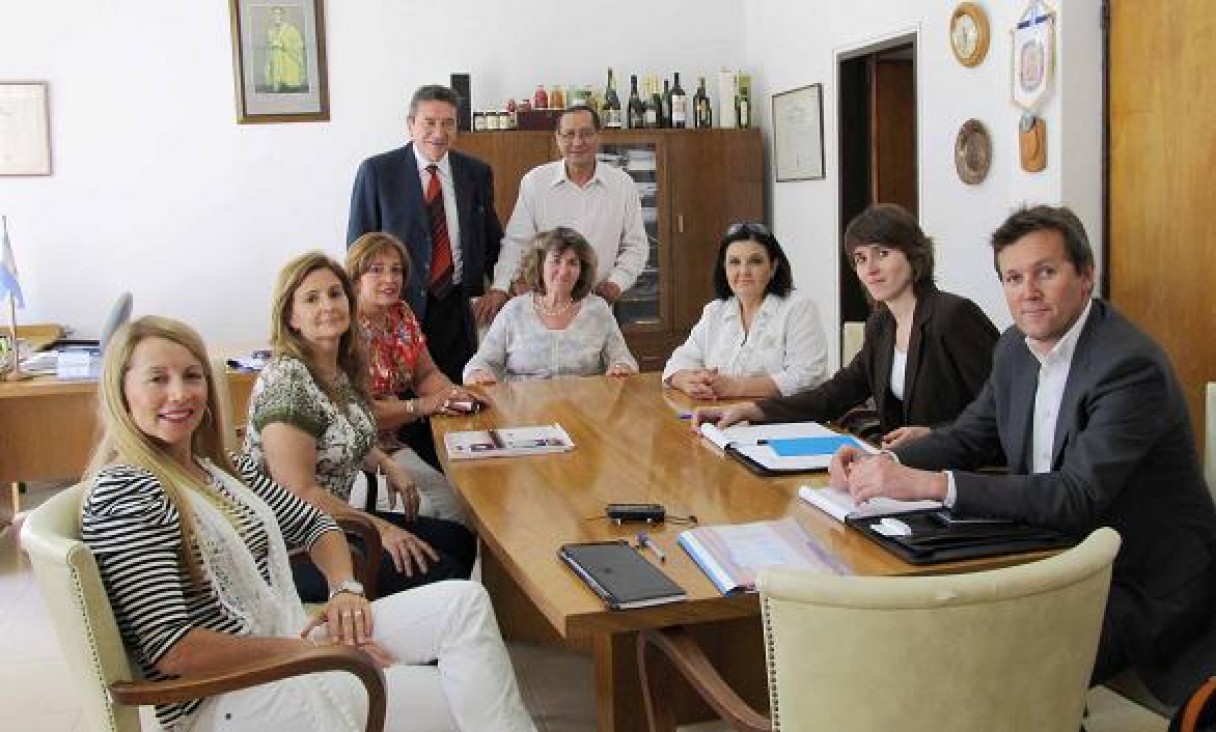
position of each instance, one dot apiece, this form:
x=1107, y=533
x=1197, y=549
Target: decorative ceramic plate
x=972, y=152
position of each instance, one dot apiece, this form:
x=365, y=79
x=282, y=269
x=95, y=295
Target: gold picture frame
x=278, y=56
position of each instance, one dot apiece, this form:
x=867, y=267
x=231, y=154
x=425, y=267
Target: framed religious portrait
x=278, y=55
x=25, y=129
x=798, y=134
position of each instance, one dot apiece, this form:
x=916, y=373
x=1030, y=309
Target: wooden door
x=893, y=132
x=1162, y=229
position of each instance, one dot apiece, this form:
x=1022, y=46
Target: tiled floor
x=36, y=694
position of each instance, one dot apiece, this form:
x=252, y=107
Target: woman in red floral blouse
x=405, y=382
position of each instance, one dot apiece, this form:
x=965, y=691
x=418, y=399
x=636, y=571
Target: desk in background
x=630, y=447
x=48, y=427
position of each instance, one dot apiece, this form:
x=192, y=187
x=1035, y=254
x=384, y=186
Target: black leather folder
x=620, y=575
x=939, y=536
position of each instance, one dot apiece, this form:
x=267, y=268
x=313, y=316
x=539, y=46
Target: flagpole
x=15, y=373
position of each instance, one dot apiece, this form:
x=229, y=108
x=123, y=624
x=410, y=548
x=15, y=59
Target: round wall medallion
x=969, y=34
x=972, y=152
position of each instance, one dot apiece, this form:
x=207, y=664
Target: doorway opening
x=877, y=144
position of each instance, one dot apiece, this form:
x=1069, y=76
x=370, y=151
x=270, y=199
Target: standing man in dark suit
x=440, y=203
x=1085, y=410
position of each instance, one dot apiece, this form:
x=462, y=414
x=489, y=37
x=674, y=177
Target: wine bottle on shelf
x=703, y=117
x=654, y=104
x=637, y=110
x=679, y=104
x=612, y=105
x=744, y=106
x=665, y=120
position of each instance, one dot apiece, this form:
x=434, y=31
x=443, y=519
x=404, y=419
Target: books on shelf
x=733, y=555
x=620, y=575
x=507, y=442
x=838, y=504
x=774, y=449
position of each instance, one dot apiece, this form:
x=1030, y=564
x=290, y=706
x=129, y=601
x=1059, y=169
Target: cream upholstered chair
x=1007, y=649
x=1209, y=453
x=109, y=685
x=852, y=337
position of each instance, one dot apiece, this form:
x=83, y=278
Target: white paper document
x=840, y=505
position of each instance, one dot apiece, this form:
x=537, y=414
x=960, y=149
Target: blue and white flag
x=9, y=284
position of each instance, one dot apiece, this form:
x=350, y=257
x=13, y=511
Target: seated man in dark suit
x=1087, y=412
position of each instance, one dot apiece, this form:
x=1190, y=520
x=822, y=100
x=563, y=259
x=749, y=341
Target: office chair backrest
x=852, y=337
x=120, y=313
x=80, y=610
x=1007, y=649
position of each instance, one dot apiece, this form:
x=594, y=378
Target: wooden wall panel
x=1162, y=224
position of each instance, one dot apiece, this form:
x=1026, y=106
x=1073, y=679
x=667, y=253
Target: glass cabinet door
x=639, y=305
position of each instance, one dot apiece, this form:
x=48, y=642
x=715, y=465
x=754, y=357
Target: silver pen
x=646, y=542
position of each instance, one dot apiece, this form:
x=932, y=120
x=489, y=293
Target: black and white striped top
x=134, y=532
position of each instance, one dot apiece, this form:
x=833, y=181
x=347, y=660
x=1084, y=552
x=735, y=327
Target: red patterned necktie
x=441, y=246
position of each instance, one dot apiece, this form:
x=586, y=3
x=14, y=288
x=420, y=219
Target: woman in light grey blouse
x=558, y=328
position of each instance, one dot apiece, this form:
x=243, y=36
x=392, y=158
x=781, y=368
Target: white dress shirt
x=606, y=211
x=1053, y=377
x=451, y=213
x=899, y=367
x=786, y=343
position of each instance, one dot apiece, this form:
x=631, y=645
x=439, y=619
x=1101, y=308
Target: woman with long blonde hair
x=192, y=550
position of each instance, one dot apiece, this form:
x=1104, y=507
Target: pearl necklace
x=538, y=301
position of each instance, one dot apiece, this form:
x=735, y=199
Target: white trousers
x=438, y=499
x=472, y=689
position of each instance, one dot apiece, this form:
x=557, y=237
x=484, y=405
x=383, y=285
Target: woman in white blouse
x=758, y=338
x=559, y=327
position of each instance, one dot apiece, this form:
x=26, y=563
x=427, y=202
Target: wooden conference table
x=631, y=447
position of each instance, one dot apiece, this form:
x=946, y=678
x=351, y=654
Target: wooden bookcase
x=704, y=180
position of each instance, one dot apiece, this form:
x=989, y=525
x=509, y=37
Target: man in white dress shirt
x=596, y=200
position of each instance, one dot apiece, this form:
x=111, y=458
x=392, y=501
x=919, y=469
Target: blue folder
x=808, y=446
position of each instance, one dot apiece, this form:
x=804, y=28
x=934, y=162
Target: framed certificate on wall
x=25, y=129
x=798, y=133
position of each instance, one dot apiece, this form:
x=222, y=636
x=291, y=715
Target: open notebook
x=775, y=449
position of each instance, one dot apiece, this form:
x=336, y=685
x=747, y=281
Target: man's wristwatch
x=354, y=587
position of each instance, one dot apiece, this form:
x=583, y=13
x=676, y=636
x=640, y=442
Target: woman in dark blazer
x=926, y=352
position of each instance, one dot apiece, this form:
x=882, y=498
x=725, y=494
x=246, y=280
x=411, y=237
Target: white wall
x=794, y=44
x=157, y=190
